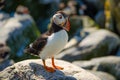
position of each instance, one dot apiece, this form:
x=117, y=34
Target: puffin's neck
x=56, y=28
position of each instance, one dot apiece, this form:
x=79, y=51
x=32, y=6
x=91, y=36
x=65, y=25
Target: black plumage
x=36, y=47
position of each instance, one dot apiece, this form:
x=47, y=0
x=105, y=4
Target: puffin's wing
x=39, y=43
x=36, y=47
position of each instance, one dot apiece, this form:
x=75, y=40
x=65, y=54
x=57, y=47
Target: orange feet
x=49, y=69
x=56, y=67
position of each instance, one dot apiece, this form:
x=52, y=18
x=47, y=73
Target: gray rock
x=33, y=70
x=5, y=64
x=3, y=18
x=4, y=55
x=103, y=75
x=81, y=22
x=79, y=36
x=4, y=52
x=100, y=19
x=19, y=31
x=99, y=43
x=73, y=42
x=87, y=22
x=80, y=32
x=110, y=64
x=118, y=52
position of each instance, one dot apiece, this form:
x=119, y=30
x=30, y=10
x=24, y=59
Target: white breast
x=55, y=44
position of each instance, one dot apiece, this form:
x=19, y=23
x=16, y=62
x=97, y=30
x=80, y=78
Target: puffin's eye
x=60, y=17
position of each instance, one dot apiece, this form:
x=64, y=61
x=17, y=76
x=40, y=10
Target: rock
x=110, y=64
x=81, y=26
x=79, y=36
x=81, y=22
x=115, y=10
x=103, y=75
x=118, y=52
x=19, y=31
x=4, y=52
x=5, y=64
x=4, y=55
x=33, y=70
x=73, y=42
x=45, y=10
x=3, y=18
x=100, y=19
x=99, y=43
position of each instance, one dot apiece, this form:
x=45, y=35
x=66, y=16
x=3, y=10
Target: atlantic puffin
x=53, y=41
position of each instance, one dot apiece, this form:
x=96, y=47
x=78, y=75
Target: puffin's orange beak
x=67, y=26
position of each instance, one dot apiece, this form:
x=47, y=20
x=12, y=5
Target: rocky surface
x=33, y=70
x=79, y=36
x=110, y=64
x=4, y=52
x=5, y=64
x=19, y=31
x=80, y=22
x=4, y=57
x=81, y=26
x=103, y=75
x=3, y=18
x=99, y=43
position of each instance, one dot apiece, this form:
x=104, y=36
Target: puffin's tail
x=31, y=50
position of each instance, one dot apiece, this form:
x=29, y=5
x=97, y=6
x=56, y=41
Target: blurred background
x=95, y=31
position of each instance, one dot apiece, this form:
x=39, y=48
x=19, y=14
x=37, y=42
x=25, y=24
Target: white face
x=59, y=19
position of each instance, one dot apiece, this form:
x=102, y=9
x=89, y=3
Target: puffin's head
x=62, y=20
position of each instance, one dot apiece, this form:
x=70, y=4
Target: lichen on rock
x=33, y=70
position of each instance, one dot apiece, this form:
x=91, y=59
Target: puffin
x=52, y=42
